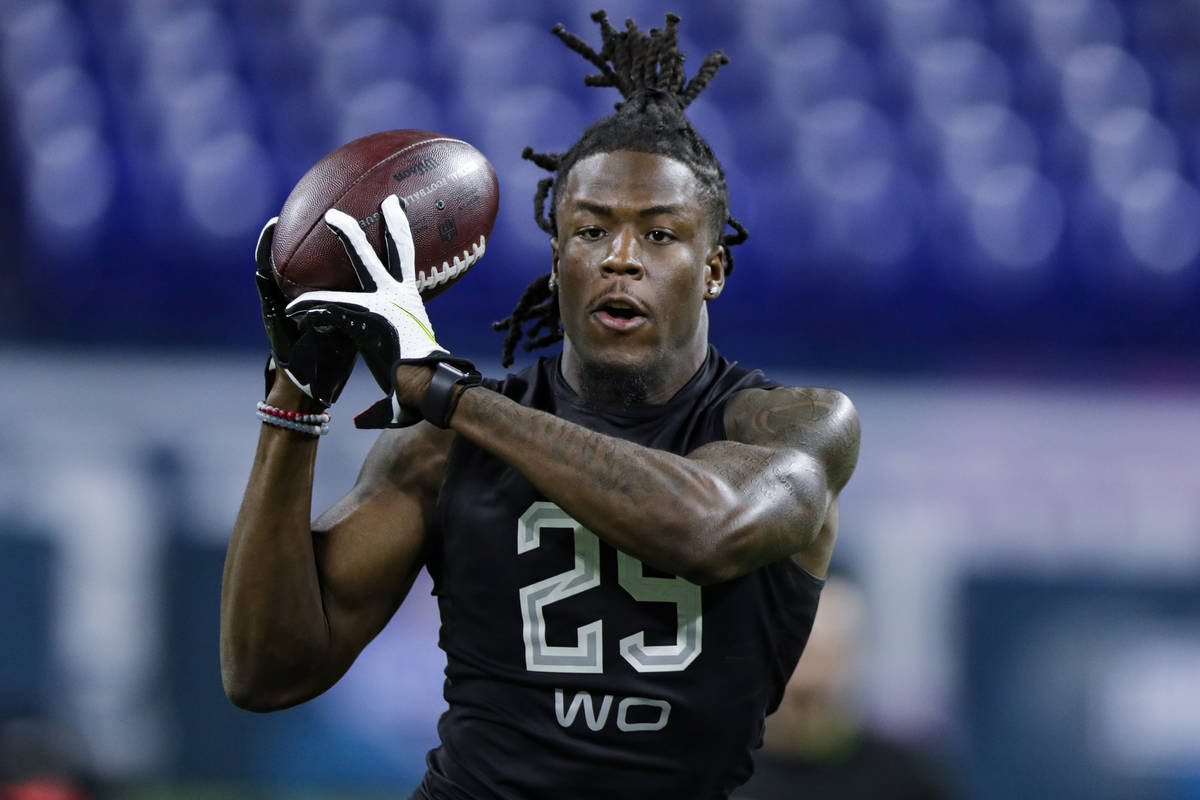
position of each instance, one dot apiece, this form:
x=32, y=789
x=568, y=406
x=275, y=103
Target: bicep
x=370, y=544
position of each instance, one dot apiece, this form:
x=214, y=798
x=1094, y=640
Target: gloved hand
x=317, y=358
x=387, y=319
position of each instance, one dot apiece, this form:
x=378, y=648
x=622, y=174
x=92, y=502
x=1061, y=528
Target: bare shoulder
x=790, y=414
x=821, y=422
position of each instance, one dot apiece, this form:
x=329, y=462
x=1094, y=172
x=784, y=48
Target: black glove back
x=315, y=355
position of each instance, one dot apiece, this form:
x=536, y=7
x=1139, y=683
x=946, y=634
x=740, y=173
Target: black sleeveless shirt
x=576, y=671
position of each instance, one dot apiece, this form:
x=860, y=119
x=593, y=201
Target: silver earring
x=712, y=290
x=551, y=283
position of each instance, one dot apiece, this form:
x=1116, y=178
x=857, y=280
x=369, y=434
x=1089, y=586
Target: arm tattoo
x=566, y=444
x=772, y=420
x=821, y=422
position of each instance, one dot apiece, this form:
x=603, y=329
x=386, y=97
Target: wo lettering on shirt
x=632, y=714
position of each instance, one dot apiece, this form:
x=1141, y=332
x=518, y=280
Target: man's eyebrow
x=607, y=211
x=595, y=208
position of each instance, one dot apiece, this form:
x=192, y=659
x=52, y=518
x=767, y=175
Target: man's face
x=634, y=258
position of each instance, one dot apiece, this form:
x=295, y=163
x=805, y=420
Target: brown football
x=448, y=189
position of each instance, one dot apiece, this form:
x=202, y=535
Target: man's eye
x=590, y=233
x=660, y=236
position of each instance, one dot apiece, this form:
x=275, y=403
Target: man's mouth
x=619, y=315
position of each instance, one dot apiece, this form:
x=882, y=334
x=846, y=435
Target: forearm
x=273, y=628
x=671, y=512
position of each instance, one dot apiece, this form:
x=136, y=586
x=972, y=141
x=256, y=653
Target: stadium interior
x=979, y=218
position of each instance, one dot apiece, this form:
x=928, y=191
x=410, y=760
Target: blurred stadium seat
x=191, y=119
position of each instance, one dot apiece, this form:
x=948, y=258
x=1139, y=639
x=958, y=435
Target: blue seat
x=953, y=73
x=59, y=99
x=912, y=24
x=228, y=187
x=1017, y=219
x=385, y=105
x=201, y=109
x=977, y=139
x=1157, y=215
x=513, y=56
x=773, y=24
x=1100, y=77
x=37, y=38
x=816, y=68
x=836, y=135
x=183, y=46
x=1126, y=143
x=365, y=50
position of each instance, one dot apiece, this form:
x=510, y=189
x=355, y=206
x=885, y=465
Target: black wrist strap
x=440, y=400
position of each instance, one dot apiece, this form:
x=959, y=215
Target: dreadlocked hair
x=647, y=69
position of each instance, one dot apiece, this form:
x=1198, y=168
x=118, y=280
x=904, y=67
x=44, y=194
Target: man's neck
x=606, y=384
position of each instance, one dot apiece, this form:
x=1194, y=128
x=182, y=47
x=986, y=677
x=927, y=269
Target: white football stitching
x=450, y=270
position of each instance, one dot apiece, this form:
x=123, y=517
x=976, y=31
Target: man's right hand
x=317, y=357
x=386, y=318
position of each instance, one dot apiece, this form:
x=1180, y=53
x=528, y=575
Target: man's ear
x=554, y=257
x=714, y=272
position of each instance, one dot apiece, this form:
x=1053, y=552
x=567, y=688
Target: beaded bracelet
x=313, y=424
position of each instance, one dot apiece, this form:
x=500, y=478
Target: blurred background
x=980, y=218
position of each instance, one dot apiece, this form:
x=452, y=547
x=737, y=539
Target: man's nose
x=624, y=256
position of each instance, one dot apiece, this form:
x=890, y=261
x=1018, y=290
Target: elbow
x=259, y=689
x=259, y=697
x=712, y=551
x=728, y=545
x=249, y=697
x=716, y=563
x=247, y=693
x=708, y=574
x=711, y=566
x=709, y=538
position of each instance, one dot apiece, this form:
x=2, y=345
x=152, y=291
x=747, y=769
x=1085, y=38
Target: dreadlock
x=647, y=68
